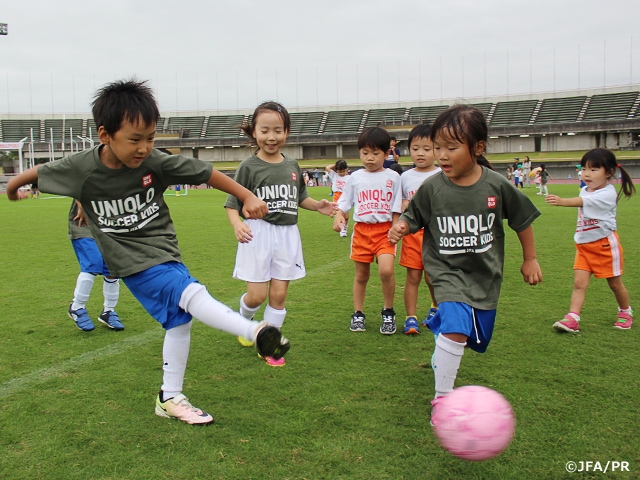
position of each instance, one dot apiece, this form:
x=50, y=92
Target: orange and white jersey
x=412, y=179
x=374, y=196
x=337, y=182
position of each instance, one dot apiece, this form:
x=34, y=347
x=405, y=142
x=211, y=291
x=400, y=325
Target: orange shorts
x=336, y=196
x=411, y=253
x=371, y=240
x=604, y=257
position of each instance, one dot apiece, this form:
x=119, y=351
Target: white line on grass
x=44, y=374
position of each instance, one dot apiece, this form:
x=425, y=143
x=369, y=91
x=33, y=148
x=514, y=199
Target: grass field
x=76, y=405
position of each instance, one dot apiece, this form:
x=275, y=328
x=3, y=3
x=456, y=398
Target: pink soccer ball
x=474, y=423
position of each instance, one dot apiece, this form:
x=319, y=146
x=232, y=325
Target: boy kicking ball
x=120, y=185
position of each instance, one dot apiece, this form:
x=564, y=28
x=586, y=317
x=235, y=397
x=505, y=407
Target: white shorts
x=274, y=252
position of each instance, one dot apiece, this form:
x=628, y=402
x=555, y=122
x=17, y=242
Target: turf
x=79, y=405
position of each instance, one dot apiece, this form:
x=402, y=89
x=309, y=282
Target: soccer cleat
x=570, y=323
x=82, y=319
x=388, y=326
x=432, y=312
x=357, y=322
x=343, y=231
x=411, y=326
x=272, y=362
x=270, y=342
x=245, y=342
x=625, y=319
x=180, y=408
x=111, y=320
x=434, y=411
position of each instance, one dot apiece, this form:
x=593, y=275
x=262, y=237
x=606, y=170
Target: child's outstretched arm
x=25, y=178
x=240, y=229
x=530, y=268
x=398, y=230
x=253, y=207
x=564, y=202
x=339, y=220
x=323, y=206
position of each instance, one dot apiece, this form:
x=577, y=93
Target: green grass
x=78, y=405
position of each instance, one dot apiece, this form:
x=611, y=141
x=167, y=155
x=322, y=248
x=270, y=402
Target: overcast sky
x=208, y=55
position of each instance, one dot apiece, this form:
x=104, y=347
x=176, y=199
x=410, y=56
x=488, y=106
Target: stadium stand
x=513, y=113
x=344, y=121
x=191, y=127
x=306, y=123
x=16, y=130
x=224, y=126
x=611, y=106
x=425, y=114
x=560, y=110
x=57, y=125
x=386, y=116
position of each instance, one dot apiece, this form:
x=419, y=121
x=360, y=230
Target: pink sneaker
x=624, y=321
x=570, y=323
x=180, y=408
x=272, y=362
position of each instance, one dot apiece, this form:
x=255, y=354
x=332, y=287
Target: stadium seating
x=560, y=110
x=306, y=123
x=191, y=127
x=344, y=121
x=425, y=114
x=613, y=106
x=16, y=130
x=385, y=116
x=513, y=113
x=224, y=126
x=56, y=126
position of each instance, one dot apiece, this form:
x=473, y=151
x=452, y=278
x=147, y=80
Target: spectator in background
x=526, y=171
x=393, y=155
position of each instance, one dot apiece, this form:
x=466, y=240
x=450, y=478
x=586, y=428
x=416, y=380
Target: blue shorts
x=458, y=317
x=159, y=289
x=89, y=257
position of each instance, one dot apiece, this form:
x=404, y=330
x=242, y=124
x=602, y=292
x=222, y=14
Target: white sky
x=305, y=53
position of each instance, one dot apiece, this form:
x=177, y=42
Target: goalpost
x=178, y=191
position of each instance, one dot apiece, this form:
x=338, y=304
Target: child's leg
x=546, y=189
x=581, y=280
x=275, y=312
x=446, y=361
x=363, y=272
x=250, y=302
x=386, y=272
x=175, y=352
x=620, y=291
x=411, y=291
x=427, y=279
x=111, y=292
x=81, y=294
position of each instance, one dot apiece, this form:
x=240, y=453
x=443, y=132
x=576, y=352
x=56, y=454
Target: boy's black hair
x=396, y=167
x=340, y=165
x=605, y=158
x=420, y=131
x=267, y=106
x=124, y=100
x=374, y=138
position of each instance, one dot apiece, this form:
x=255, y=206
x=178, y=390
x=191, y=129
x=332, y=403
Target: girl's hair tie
x=618, y=165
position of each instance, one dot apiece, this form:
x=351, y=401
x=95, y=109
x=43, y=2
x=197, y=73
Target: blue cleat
x=111, y=320
x=82, y=319
x=411, y=326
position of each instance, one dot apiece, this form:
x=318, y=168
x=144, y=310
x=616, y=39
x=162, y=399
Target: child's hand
x=243, y=232
x=399, y=230
x=326, y=207
x=339, y=221
x=531, y=272
x=553, y=200
x=254, y=208
x=80, y=216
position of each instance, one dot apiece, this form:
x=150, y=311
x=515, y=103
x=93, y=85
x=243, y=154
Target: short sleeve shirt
x=597, y=216
x=374, y=196
x=337, y=182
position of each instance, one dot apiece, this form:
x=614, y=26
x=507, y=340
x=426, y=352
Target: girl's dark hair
x=419, y=131
x=464, y=124
x=543, y=166
x=374, y=138
x=396, y=167
x=604, y=158
x=124, y=100
x=340, y=165
x=271, y=106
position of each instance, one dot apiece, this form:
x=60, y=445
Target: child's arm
x=404, y=204
x=530, y=268
x=80, y=216
x=399, y=229
x=241, y=229
x=564, y=202
x=25, y=178
x=252, y=207
x=394, y=218
x=323, y=206
x=329, y=168
x=339, y=220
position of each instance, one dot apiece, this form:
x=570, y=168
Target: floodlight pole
x=21, y=142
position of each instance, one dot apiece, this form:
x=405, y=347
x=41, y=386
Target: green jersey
x=76, y=232
x=280, y=185
x=463, y=247
x=125, y=207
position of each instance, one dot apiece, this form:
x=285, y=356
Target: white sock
x=446, y=361
x=247, y=312
x=175, y=353
x=196, y=300
x=84, y=284
x=274, y=317
x=111, y=292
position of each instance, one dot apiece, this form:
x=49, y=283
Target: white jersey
x=597, y=216
x=374, y=196
x=337, y=182
x=412, y=179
